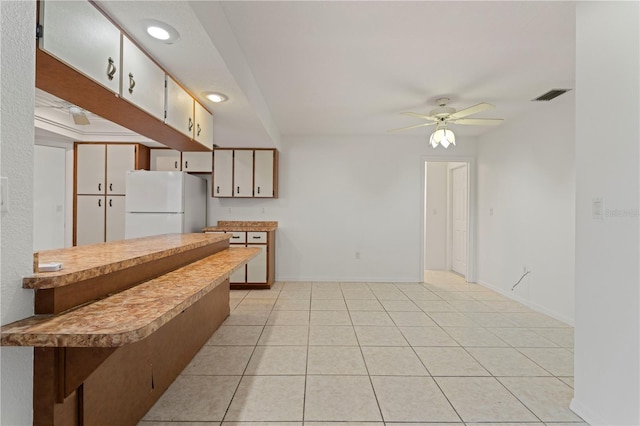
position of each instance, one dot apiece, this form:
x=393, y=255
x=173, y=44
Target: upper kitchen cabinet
x=203, y=132
x=142, y=80
x=91, y=44
x=165, y=160
x=179, y=108
x=187, y=116
x=245, y=173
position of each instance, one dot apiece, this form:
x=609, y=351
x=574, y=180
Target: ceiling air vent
x=551, y=94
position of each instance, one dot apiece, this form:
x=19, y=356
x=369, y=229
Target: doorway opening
x=447, y=217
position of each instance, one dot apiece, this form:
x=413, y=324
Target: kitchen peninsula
x=120, y=321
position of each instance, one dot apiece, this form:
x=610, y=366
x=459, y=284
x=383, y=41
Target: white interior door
x=49, y=188
x=459, y=220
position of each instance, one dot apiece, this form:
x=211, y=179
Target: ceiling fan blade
x=415, y=114
x=471, y=110
x=411, y=127
x=80, y=119
x=479, y=121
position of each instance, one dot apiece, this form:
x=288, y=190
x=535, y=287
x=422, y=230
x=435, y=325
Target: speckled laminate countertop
x=84, y=262
x=133, y=314
x=241, y=226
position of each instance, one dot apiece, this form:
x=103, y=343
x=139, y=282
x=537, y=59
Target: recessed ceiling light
x=216, y=97
x=160, y=31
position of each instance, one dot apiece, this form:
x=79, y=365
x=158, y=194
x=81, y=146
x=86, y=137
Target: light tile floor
x=313, y=354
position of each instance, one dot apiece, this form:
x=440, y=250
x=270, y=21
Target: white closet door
x=90, y=169
x=120, y=159
x=459, y=220
x=90, y=213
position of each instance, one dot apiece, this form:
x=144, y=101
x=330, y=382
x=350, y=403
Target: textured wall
x=16, y=137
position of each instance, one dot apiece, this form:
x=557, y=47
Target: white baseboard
x=350, y=279
x=528, y=303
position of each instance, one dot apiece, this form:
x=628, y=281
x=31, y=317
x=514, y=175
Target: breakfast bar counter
x=120, y=321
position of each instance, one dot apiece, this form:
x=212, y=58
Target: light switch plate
x=4, y=194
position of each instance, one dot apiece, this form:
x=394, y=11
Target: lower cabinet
x=260, y=271
x=99, y=218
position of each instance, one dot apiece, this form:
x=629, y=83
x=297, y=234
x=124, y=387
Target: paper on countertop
x=49, y=267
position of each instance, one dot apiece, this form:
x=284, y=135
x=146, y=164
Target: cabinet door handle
x=111, y=187
x=111, y=69
x=237, y=190
x=186, y=164
x=258, y=190
x=217, y=189
x=175, y=165
x=198, y=129
x=99, y=187
x=99, y=202
x=190, y=124
x=132, y=83
x=255, y=238
x=236, y=237
x=110, y=202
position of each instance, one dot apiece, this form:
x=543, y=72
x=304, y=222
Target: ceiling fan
x=78, y=115
x=444, y=115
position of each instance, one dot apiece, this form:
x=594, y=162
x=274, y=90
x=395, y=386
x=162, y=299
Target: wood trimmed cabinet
x=245, y=173
x=170, y=160
x=259, y=272
x=99, y=189
x=85, y=58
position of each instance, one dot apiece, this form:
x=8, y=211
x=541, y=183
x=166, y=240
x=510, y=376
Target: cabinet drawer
x=238, y=238
x=257, y=237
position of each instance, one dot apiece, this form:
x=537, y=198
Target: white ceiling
x=350, y=68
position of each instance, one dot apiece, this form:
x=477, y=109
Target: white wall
x=342, y=195
x=16, y=259
x=526, y=178
x=607, y=352
x=435, y=247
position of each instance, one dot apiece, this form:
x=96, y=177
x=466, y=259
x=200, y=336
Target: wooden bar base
x=70, y=390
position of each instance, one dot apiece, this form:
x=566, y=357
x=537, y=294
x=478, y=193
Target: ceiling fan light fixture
x=442, y=136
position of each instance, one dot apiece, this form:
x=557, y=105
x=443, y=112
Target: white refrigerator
x=164, y=203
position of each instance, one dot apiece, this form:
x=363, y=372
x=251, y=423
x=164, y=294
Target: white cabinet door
x=263, y=181
x=90, y=213
x=257, y=267
x=81, y=36
x=239, y=276
x=142, y=80
x=222, y=173
x=115, y=218
x=165, y=160
x=90, y=169
x=243, y=173
x=197, y=162
x=203, y=133
x=120, y=159
x=179, y=108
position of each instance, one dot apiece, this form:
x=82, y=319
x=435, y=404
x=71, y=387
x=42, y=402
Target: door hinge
x=39, y=30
